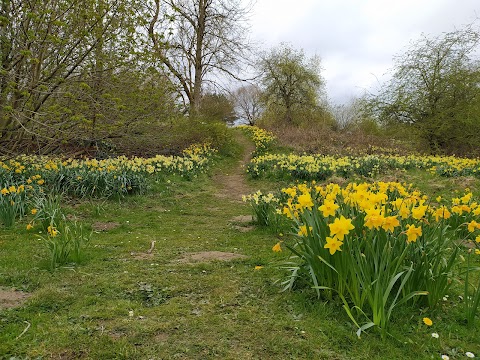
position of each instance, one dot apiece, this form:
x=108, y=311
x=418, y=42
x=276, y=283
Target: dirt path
x=233, y=184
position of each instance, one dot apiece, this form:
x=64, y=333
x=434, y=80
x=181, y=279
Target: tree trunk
x=200, y=34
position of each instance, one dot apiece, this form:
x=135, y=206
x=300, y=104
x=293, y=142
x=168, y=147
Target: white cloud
x=356, y=39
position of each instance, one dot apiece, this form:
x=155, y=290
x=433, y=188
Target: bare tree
x=248, y=103
x=349, y=113
x=198, y=39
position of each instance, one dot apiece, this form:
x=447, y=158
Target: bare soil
x=104, y=226
x=206, y=256
x=233, y=185
x=10, y=298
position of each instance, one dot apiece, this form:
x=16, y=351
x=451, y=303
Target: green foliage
x=128, y=302
x=217, y=107
x=171, y=137
x=375, y=246
x=47, y=210
x=291, y=84
x=264, y=207
x=434, y=90
x=65, y=242
x=471, y=293
x=64, y=75
x=12, y=204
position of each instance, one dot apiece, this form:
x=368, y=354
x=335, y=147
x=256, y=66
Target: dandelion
x=34, y=211
x=29, y=226
x=427, y=321
x=258, y=267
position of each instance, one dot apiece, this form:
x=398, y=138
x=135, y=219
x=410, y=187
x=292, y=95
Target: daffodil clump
x=104, y=178
x=13, y=203
x=377, y=246
x=320, y=167
x=265, y=210
x=262, y=139
x=65, y=243
x=16, y=196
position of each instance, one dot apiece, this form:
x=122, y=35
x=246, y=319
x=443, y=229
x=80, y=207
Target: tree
x=348, y=114
x=247, y=101
x=198, y=39
x=291, y=82
x=215, y=106
x=435, y=90
x=51, y=51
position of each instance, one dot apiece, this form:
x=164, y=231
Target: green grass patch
x=135, y=297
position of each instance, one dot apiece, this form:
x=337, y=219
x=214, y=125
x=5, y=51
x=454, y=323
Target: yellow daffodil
x=404, y=212
x=277, y=247
x=418, y=212
x=374, y=219
x=328, y=208
x=442, y=213
x=390, y=223
x=473, y=225
x=302, y=231
x=52, y=231
x=413, y=233
x=305, y=201
x=341, y=227
x=333, y=244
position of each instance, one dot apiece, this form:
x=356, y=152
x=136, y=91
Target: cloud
x=356, y=39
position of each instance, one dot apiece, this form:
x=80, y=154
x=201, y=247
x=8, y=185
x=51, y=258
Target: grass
x=123, y=303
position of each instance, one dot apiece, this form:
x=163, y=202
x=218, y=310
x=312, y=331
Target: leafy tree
x=435, y=90
x=217, y=107
x=291, y=83
x=197, y=40
x=54, y=52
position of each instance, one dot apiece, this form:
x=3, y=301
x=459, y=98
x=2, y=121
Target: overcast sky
x=356, y=39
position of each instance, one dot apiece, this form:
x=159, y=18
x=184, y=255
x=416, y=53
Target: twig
x=24, y=331
x=151, y=247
